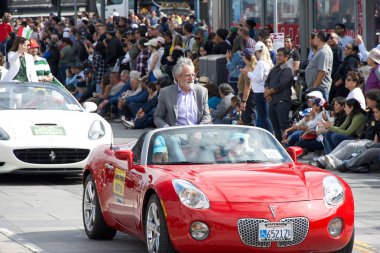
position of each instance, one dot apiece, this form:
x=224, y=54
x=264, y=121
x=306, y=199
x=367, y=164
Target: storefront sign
x=278, y=40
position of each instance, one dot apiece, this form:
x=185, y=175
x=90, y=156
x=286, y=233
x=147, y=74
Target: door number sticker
x=118, y=185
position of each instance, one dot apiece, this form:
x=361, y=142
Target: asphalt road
x=43, y=213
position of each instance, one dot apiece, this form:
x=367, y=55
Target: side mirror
x=294, y=152
x=90, y=106
x=125, y=155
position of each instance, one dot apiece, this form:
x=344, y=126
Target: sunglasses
x=197, y=38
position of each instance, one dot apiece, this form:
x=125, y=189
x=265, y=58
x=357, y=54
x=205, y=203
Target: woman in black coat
x=350, y=62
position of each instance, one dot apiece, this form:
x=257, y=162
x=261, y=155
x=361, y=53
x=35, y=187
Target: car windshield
x=214, y=145
x=40, y=96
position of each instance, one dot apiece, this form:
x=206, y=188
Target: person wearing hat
x=159, y=151
x=318, y=71
x=154, y=61
x=41, y=65
x=373, y=80
x=257, y=79
x=21, y=63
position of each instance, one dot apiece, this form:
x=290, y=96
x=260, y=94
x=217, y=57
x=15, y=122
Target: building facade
x=298, y=18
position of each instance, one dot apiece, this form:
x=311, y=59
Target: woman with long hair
x=244, y=87
x=21, y=64
x=349, y=130
x=257, y=78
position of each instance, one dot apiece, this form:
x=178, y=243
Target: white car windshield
x=213, y=145
x=29, y=96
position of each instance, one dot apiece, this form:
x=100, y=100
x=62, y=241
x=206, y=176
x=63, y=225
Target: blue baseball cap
x=159, y=145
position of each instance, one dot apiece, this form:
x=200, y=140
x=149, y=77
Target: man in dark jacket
x=278, y=93
x=114, y=49
x=221, y=46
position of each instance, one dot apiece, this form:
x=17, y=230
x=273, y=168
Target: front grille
x=51, y=155
x=249, y=231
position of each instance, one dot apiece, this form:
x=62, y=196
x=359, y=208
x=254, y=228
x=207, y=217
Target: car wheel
x=350, y=245
x=94, y=224
x=156, y=230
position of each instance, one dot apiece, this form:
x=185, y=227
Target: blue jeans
x=310, y=145
x=331, y=140
x=248, y=116
x=294, y=137
x=262, y=115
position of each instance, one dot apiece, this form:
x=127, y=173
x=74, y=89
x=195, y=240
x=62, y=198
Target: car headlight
x=333, y=191
x=3, y=135
x=190, y=195
x=97, y=130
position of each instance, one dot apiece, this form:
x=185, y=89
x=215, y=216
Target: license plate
x=275, y=231
x=48, y=130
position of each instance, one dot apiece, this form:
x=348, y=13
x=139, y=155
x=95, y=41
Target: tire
x=156, y=231
x=350, y=245
x=93, y=221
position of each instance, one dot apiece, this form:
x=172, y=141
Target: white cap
x=315, y=94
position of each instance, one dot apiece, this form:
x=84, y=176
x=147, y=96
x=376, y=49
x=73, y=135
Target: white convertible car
x=43, y=129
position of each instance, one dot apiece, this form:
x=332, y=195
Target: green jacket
x=349, y=127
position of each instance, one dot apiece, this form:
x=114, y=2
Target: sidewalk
x=8, y=245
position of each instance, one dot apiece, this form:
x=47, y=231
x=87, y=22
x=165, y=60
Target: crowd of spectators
x=124, y=64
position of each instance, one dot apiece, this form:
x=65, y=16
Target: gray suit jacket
x=166, y=113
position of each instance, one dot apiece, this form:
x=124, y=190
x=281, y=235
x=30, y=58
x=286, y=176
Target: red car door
x=120, y=186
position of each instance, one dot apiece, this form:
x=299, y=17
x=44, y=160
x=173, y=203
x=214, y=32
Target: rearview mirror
x=125, y=155
x=90, y=106
x=294, y=152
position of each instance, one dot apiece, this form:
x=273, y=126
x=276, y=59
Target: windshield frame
x=148, y=141
x=66, y=95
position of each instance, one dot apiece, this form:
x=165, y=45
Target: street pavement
x=43, y=213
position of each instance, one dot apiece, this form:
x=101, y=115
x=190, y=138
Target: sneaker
x=342, y=167
x=317, y=164
x=332, y=162
x=129, y=123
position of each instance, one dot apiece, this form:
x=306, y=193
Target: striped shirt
x=42, y=68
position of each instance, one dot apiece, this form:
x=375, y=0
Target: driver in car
x=160, y=151
x=239, y=149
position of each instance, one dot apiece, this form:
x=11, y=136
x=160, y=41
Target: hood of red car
x=244, y=183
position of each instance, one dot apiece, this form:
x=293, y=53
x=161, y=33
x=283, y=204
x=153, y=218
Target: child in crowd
x=234, y=114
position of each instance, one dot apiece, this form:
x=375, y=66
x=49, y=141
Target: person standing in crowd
x=189, y=37
x=373, y=80
x=184, y=103
x=142, y=58
x=344, y=39
x=67, y=58
x=21, y=64
x=235, y=62
x=41, y=65
x=3, y=70
x=338, y=56
x=5, y=30
x=318, y=71
x=278, y=93
x=154, y=61
x=268, y=41
x=313, y=48
x=294, y=56
x=52, y=56
x=221, y=46
x=249, y=42
x=244, y=87
x=351, y=62
x=114, y=49
x=257, y=78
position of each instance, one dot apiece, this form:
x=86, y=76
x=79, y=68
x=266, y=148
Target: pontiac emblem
x=273, y=210
x=52, y=156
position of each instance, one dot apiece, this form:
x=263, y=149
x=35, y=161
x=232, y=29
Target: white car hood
x=18, y=123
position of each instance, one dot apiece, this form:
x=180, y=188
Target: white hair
x=182, y=61
x=134, y=75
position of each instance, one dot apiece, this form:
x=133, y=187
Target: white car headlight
x=190, y=195
x=333, y=191
x=3, y=135
x=97, y=130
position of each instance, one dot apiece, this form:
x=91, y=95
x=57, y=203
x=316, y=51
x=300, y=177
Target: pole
x=196, y=10
x=76, y=11
x=275, y=17
x=103, y=10
x=58, y=8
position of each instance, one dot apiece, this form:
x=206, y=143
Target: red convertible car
x=215, y=188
